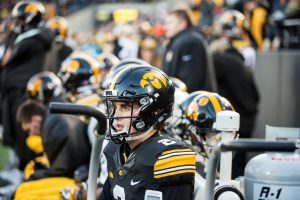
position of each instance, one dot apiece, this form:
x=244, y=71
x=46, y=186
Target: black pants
x=13, y=136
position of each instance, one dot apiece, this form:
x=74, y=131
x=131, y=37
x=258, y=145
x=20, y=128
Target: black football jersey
x=160, y=163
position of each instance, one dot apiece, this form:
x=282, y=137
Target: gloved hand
x=77, y=192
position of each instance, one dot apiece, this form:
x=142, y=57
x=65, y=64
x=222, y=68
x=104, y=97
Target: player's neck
x=132, y=144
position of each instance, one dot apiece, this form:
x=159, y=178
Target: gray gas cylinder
x=273, y=176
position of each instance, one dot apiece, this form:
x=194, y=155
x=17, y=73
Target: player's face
x=173, y=25
x=34, y=126
x=123, y=112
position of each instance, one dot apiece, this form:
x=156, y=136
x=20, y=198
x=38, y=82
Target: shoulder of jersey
x=169, y=156
x=110, y=149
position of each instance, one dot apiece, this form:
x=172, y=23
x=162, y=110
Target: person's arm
x=257, y=26
x=192, y=64
x=174, y=171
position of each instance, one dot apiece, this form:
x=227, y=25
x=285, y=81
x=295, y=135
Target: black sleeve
x=192, y=62
x=106, y=195
x=239, y=82
x=19, y=50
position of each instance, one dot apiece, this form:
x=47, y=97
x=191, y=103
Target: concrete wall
x=82, y=21
x=278, y=79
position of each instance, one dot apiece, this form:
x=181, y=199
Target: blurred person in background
x=206, y=14
x=106, y=62
x=186, y=55
x=80, y=76
x=256, y=12
x=65, y=143
x=30, y=119
x=60, y=49
x=23, y=57
x=124, y=45
x=287, y=23
x=233, y=30
x=45, y=87
x=6, y=31
x=148, y=51
x=236, y=83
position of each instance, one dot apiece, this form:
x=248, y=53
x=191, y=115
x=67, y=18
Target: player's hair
x=28, y=109
x=183, y=14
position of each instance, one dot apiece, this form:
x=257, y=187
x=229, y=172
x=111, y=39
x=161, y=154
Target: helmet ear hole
x=138, y=124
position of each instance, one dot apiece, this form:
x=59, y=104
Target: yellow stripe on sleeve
x=175, y=161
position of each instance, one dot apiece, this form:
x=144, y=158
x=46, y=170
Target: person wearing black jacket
x=23, y=57
x=61, y=48
x=64, y=139
x=66, y=148
x=186, y=55
x=236, y=83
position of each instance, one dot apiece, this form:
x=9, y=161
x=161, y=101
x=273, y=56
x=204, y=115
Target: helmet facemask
x=132, y=126
x=204, y=138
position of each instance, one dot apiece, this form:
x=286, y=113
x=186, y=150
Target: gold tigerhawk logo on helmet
x=203, y=101
x=30, y=8
x=53, y=25
x=71, y=66
x=153, y=79
x=192, y=111
x=36, y=85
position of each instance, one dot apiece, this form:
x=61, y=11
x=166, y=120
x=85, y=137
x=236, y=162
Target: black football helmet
x=201, y=114
x=27, y=14
x=79, y=70
x=185, y=103
x=226, y=104
x=202, y=110
x=233, y=24
x=59, y=26
x=151, y=89
x=44, y=87
x=116, y=68
x=175, y=126
x=107, y=60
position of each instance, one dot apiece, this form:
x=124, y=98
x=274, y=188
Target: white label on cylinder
x=275, y=192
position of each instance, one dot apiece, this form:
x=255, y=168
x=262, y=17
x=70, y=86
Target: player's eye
x=126, y=108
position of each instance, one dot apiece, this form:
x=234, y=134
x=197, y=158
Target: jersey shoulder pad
x=177, y=159
x=169, y=157
x=110, y=149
